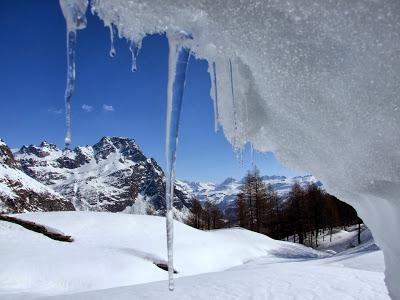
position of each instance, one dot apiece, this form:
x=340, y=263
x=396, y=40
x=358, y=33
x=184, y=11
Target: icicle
x=234, y=105
x=215, y=87
x=178, y=62
x=74, y=14
x=71, y=43
x=134, y=48
x=112, y=37
x=252, y=155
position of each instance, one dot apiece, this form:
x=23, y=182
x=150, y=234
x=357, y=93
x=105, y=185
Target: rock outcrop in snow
x=113, y=175
x=21, y=193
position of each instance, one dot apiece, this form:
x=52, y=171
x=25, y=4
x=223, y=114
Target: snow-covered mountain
x=224, y=194
x=112, y=175
x=21, y=193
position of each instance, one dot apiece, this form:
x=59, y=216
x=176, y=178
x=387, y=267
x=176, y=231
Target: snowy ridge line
x=47, y=231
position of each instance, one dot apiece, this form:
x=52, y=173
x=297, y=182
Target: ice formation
x=214, y=93
x=74, y=14
x=178, y=60
x=316, y=82
x=112, y=37
x=134, y=48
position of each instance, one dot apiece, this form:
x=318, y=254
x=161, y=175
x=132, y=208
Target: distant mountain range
x=224, y=194
x=112, y=175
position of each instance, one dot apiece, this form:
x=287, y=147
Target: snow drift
x=317, y=82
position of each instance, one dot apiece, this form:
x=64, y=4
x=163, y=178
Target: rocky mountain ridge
x=20, y=193
x=112, y=175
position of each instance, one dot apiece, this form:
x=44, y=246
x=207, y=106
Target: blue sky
x=109, y=99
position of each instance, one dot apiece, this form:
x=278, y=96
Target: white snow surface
x=119, y=249
x=316, y=82
x=112, y=258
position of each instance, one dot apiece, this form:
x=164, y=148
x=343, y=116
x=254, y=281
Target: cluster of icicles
x=179, y=54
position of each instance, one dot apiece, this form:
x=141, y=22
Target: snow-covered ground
x=112, y=258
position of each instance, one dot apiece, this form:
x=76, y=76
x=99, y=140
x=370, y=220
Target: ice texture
x=112, y=37
x=178, y=61
x=135, y=48
x=214, y=93
x=316, y=82
x=74, y=14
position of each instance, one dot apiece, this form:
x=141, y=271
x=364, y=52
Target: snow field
x=112, y=250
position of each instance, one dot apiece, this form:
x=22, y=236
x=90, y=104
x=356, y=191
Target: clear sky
x=109, y=99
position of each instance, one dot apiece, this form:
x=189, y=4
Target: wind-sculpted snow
x=317, y=82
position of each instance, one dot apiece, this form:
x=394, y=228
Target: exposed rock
x=112, y=175
x=20, y=193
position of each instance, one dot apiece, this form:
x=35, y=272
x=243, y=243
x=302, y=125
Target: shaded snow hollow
x=316, y=82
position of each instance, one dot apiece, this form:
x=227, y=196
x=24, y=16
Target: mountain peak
x=41, y=151
x=228, y=180
x=126, y=146
x=6, y=156
x=45, y=144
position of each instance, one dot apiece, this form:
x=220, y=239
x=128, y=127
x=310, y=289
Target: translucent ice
x=74, y=13
x=112, y=37
x=134, y=48
x=178, y=61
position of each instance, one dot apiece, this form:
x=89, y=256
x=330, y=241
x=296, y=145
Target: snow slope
x=111, y=250
x=356, y=273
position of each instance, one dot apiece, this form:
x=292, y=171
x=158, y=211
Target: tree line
x=206, y=217
x=306, y=213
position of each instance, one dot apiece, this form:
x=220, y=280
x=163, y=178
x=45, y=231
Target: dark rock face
x=20, y=193
x=28, y=200
x=112, y=175
x=6, y=156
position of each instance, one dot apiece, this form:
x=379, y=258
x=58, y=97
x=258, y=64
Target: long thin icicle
x=112, y=38
x=74, y=14
x=69, y=90
x=134, y=48
x=234, y=105
x=215, y=87
x=178, y=61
